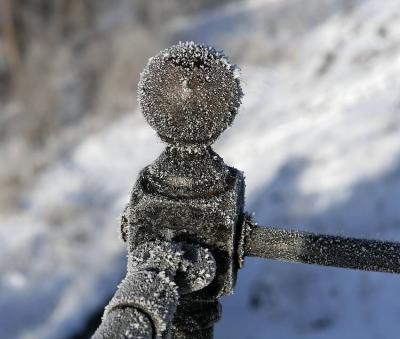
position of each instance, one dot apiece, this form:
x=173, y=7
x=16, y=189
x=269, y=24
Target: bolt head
x=189, y=94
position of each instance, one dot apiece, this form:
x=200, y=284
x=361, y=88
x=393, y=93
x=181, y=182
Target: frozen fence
x=185, y=227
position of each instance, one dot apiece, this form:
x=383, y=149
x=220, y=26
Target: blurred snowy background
x=318, y=137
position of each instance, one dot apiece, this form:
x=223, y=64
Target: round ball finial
x=189, y=94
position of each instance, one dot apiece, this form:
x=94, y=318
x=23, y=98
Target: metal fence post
x=190, y=94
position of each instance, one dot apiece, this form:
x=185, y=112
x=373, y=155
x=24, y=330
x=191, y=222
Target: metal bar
x=325, y=250
x=127, y=322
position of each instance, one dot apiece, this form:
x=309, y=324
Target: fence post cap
x=189, y=93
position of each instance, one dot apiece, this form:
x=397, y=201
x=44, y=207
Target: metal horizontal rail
x=325, y=250
x=127, y=322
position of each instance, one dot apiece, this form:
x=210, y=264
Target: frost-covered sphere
x=189, y=94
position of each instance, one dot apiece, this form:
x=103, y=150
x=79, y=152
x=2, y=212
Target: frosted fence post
x=190, y=94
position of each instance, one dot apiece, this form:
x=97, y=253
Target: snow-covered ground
x=318, y=137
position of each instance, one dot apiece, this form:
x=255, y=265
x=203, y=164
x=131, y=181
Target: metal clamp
x=158, y=273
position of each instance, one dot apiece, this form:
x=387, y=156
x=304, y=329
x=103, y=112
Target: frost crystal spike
x=185, y=226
